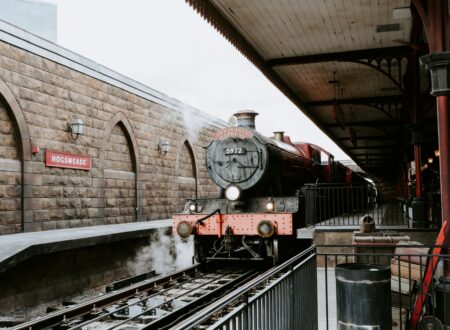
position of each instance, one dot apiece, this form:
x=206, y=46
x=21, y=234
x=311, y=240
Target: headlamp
x=192, y=207
x=270, y=205
x=232, y=193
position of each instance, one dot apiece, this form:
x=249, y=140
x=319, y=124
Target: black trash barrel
x=419, y=213
x=443, y=301
x=363, y=294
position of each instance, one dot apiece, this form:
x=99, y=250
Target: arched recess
x=187, y=175
x=120, y=163
x=14, y=179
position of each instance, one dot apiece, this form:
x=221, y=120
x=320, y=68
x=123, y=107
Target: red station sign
x=65, y=160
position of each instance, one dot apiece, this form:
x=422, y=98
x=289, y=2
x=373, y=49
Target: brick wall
x=120, y=178
x=129, y=179
x=10, y=175
x=187, y=175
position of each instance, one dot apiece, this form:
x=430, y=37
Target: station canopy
x=351, y=66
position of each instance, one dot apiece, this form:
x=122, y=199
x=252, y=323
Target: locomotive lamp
x=192, y=207
x=270, y=204
x=232, y=193
x=76, y=127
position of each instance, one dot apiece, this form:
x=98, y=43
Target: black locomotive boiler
x=260, y=207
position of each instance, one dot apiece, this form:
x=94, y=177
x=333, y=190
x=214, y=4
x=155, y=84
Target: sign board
x=65, y=160
x=233, y=132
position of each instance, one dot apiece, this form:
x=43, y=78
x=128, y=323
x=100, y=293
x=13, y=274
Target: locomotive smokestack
x=246, y=118
x=278, y=136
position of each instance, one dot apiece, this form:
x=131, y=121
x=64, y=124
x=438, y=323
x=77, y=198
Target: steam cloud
x=164, y=254
x=193, y=125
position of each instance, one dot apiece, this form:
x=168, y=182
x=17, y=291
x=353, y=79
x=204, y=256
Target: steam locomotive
x=261, y=204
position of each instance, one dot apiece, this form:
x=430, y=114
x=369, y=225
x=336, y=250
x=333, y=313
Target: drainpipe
x=444, y=157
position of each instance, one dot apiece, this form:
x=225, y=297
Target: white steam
x=164, y=254
x=193, y=125
x=192, y=122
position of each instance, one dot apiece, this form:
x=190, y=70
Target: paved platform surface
x=16, y=248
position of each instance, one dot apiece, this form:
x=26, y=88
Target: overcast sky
x=167, y=46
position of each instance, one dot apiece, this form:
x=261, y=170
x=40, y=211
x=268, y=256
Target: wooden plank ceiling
x=344, y=63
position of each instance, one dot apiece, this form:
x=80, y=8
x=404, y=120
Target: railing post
x=291, y=279
x=245, y=318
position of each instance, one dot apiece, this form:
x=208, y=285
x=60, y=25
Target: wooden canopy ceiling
x=349, y=65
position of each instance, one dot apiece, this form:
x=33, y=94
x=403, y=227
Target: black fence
x=284, y=297
x=407, y=265
x=344, y=205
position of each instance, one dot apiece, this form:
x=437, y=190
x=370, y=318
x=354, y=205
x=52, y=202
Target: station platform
x=17, y=248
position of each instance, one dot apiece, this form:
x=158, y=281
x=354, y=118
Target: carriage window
x=324, y=158
x=315, y=156
x=332, y=166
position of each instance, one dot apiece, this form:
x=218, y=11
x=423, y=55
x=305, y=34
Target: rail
x=155, y=302
x=284, y=297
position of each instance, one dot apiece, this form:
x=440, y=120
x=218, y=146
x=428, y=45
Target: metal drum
x=363, y=294
x=443, y=301
x=419, y=213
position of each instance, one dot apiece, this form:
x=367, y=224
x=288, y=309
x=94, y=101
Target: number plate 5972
x=234, y=151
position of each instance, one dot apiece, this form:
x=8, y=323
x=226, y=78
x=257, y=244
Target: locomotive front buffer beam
x=264, y=224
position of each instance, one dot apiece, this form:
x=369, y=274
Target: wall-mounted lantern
x=437, y=153
x=163, y=147
x=76, y=127
x=430, y=160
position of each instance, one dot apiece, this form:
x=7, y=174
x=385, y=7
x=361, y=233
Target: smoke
x=165, y=253
x=193, y=124
x=191, y=120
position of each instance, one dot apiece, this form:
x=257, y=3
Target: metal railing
x=344, y=205
x=407, y=267
x=284, y=297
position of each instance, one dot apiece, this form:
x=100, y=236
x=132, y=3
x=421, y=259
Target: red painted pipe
x=444, y=163
x=444, y=158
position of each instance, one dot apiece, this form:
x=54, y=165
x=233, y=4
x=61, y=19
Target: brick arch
x=12, y=106
x=120, y=120
x=183, y=187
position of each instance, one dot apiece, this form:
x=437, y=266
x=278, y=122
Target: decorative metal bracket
x=385, y=66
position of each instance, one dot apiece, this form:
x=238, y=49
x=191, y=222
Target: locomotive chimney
x=246, y=118
x=278, y=135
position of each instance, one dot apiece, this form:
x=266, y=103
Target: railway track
x=156, y=303
x=260, y=303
